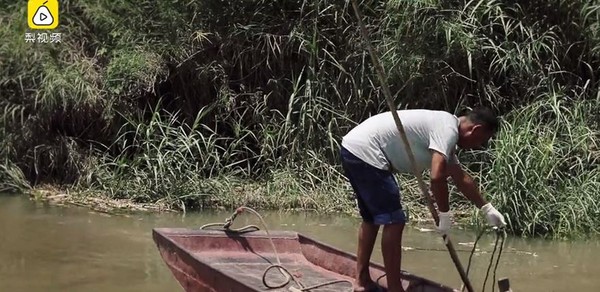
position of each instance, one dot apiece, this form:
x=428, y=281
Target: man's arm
x=466, y=185
x=439, y=183
x=440, y=170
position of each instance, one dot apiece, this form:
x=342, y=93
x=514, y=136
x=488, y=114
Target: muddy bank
x=54, y=195
x=97, y=202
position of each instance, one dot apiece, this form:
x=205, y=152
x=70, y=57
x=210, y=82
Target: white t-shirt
x=378, y=142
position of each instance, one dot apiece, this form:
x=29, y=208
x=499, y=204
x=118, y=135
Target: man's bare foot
x=365, y=286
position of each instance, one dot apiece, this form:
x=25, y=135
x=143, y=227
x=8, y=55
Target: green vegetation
x=221, y=103
x=544, y=168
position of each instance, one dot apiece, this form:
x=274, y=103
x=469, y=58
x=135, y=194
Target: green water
x=49, y=248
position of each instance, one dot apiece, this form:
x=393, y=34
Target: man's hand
x=445, y=222
x=493, y=216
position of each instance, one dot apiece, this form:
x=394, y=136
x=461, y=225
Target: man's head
x=476, y=128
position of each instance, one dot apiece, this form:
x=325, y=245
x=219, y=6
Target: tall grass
x=218, y=102
x=192, y=166
x=544, y=168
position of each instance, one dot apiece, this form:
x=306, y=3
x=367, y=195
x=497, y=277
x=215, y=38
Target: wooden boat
x=215, y=260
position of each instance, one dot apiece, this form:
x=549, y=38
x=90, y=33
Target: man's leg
x=360, y=176
x=367, y=233
x=378, y=201
x=384, y=204
x=391, y=248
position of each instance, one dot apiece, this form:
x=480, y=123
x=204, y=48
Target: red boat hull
x=208, y=260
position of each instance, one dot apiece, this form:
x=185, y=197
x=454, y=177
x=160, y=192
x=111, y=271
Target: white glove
x=445, y=222
x=494, y=217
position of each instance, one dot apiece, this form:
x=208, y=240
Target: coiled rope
x=226, y=226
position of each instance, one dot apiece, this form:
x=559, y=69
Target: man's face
x=474, y=137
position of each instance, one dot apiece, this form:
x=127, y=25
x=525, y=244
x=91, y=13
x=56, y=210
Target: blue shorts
x=376, y=191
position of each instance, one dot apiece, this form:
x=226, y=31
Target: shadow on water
x=49, y=248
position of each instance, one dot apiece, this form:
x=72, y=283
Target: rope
x=244, y=229
x=226, y=226
x=471, y=257
x=473, y=251
x=503, y=237
x=500, y=234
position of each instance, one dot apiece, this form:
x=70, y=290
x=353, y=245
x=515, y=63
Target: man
x=374, y=150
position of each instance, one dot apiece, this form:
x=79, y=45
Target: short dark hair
x=484, y=116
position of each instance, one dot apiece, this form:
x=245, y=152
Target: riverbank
x=247, y=195
x=98, y=202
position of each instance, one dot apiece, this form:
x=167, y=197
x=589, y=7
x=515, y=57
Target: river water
x=51, y=249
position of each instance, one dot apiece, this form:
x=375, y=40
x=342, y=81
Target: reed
x=218, y=103
x=543, y=168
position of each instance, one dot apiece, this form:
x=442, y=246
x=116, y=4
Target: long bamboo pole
x=422, y=186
